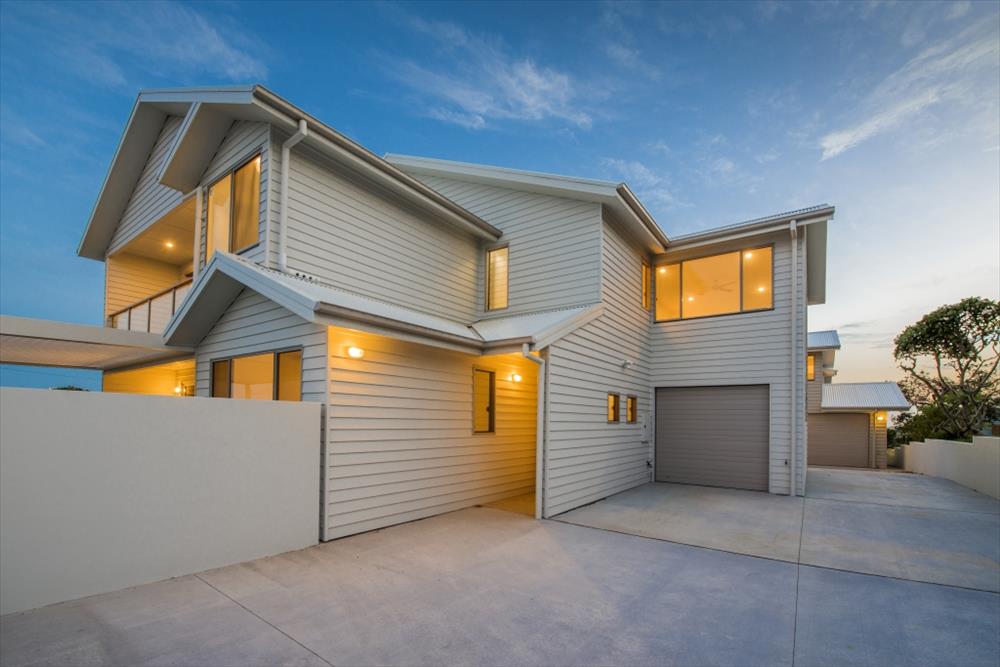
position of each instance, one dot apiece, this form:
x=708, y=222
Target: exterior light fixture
x=515, y=377
x=178, y=389
x=880, y=416
x=355, y=352
x=169, y=245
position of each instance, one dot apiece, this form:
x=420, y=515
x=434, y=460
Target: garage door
x=715, y=436
x=838, y=440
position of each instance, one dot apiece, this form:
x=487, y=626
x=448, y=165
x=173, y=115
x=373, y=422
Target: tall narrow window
x=483, y=401
x=496, y=278
x=234, y=210
x=253, y=377
x=631, y=409
x=220, y=379
x=668, y=292
x=290, y=375
x=645, y=285
x=614, y=408
x=757, y=279
x=810, y=367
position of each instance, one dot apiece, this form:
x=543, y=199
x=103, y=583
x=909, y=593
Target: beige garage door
x=838, y=440
x=715, y=436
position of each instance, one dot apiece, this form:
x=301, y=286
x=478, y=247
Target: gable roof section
x=208, y=114
x=823, y=340
x=616, y=196
x=227, y=275
x=863, y=396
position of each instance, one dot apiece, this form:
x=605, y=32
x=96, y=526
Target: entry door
x=713, y=436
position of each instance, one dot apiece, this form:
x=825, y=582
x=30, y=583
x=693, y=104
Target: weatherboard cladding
x=129, y=279
x=555, y=244
x=352, y=236
x=149, y=200
x=747, y=348
x=587, y=458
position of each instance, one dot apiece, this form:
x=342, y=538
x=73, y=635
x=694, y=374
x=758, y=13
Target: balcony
x=151, y=315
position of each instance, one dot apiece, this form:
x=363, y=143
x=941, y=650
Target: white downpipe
x=539, y=429
x=793, y=410
x=198, y=212
x=286, y=156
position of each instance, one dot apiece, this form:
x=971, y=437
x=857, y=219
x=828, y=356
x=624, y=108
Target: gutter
x=539, y=428
x=286, y=158
x=642, y=214
x=752, y=228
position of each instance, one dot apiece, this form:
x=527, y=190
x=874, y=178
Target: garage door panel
x=715, y=436
x=838, y=440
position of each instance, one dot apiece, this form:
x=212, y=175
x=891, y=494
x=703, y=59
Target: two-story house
x=474, y=333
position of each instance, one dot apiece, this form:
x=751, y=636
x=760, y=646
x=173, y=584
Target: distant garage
x=713, y=436
x=842, y=440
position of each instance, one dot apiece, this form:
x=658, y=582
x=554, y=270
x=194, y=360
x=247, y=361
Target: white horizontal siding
x=355, y=237
x=150, y=200
x=254, y=324
x=555, y=243
x=748, y=348
x=399, y=442
x=586, y=458
x=129, y=279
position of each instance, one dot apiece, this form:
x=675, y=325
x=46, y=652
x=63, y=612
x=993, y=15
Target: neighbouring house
x=848, y=421
x=473, y=333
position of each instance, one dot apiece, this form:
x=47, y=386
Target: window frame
x=487, y=273
x=231, y=173
x=741, y=311
x=274, y=371
x=618, y=407
x=492, y=400
x=631, y=409
x=646, y=290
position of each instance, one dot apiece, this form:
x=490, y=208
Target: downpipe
x=793, y=409
x=539, y=428
x=286, y=156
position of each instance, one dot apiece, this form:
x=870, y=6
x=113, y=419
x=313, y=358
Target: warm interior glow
x=721, y=284
x=757, y=279
x=761, y=289
x=810, y=367
x=496, y=278
x=668, y=292
x=355, y=352
x=748, y=255
x=663, y=269
x=253, y=377
x=711, y=285
x=483, y=401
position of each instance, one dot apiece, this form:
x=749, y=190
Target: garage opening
x=840, y=440
x=713, y=436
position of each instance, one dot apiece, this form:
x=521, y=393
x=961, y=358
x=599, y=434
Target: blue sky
x=713, y=113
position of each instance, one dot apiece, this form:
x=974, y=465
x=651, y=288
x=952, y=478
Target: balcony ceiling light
x=169, y=245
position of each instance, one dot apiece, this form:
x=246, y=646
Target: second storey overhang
x=208, y=114
x=227, y=275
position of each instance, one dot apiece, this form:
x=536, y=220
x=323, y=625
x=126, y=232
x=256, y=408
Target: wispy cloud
x=479, y=82
x=945, y=72
x=652, y=187
x=113, y=44
x=620, y=40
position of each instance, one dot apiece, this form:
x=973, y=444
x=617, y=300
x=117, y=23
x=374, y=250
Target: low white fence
x=975, y=465
x=103, y=491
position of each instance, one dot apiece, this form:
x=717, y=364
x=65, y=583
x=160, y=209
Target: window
x=234, y=210
x=483, y=401
x=645, y=285
x=631, y=408
x=259, y=377
x=810, y=367
x=614, y=408
x=496, y=278
x=732, y=282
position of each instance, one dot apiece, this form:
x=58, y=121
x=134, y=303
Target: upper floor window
x=496, y=278
x=732, y=282
x=234, y=210
x=810, y=367
x=645, y=285
x=263, y=377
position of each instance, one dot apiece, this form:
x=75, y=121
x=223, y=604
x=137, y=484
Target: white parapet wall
x=103, y=491
x=973, y=464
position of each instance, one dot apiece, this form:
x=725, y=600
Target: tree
x=951, y=358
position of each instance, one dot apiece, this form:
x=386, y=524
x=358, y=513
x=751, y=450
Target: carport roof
x=863, y=396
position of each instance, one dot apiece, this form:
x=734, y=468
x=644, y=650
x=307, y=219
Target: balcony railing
x=151, y=315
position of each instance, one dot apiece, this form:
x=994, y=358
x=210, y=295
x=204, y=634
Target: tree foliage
x=951, y=359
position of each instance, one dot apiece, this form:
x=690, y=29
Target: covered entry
x=839, y=440
x=714, y=436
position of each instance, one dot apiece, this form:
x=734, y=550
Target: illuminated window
x=496, y=278
x=614, y=408
x=810, y=367
x=483, y=401
x=234, y=210
x=253, y=377
x=732, y=282
x=645, y=286
x=631, y=408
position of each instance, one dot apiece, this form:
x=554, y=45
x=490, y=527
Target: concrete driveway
x=487, y=587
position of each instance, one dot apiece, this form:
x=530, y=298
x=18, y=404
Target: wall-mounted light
x=355, y=352
x=880, y=416
x=169, y=245
x=178, y=390
x=515, y=377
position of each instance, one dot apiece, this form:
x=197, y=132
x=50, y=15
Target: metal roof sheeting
x=823, y=340
x=863, y=396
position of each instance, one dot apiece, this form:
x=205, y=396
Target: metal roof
x=863, y=396
x=823, y=340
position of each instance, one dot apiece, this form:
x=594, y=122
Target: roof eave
x=752, y=228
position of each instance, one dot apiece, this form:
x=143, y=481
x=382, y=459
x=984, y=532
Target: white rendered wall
x=975, y=465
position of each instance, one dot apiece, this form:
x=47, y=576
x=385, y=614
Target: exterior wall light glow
x=178, y=389
x=515, y=377
x=690, y=298
x=355, y=352
x=169, y=245
x=761, y=289
x=748, y=255
x=880, y=416
x=663, y=270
